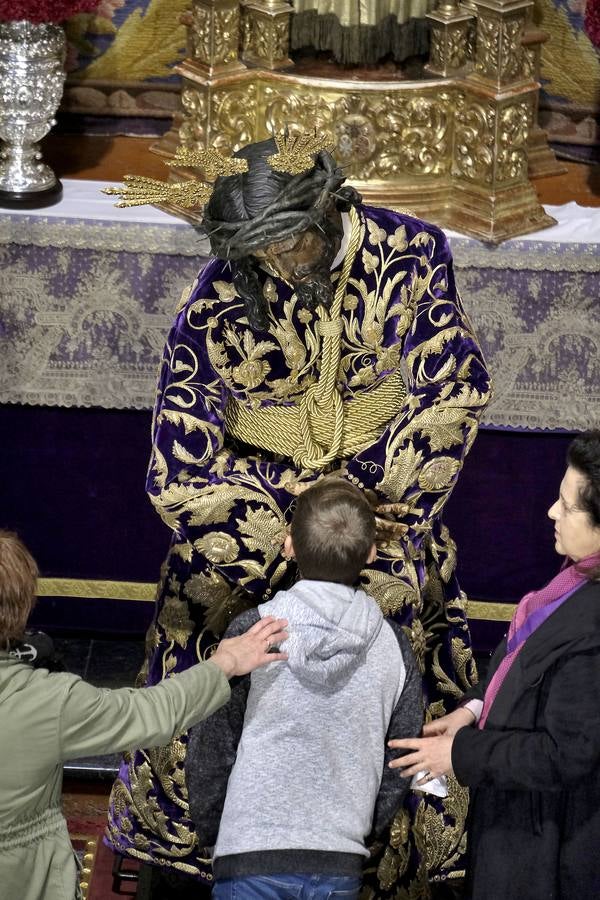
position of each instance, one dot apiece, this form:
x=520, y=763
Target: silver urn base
x=32, y=77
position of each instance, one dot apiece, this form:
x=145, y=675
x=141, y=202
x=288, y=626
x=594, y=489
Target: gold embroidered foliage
x=175, y=621
x=218, y=547
x=438, y=473
x=262, y=531
x=296, y=152
x=442, y=831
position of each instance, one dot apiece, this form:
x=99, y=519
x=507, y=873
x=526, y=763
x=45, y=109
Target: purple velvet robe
x=229, y=503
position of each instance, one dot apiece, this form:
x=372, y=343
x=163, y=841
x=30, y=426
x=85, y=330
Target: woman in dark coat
x=527, y=739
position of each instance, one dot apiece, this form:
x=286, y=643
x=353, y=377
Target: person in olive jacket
x=49, y=717
x=527, y=740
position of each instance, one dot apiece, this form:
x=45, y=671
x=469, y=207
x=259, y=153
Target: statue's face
x=304, y=260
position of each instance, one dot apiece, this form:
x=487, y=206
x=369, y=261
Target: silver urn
x=32, y=77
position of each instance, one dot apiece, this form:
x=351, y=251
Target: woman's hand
x=449, y=724
x=430, y=755
x=240, y=655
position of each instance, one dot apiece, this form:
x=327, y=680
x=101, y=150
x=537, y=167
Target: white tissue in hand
x=436, y=786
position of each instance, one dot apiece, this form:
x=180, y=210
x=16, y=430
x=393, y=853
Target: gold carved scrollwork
x=214, y=29
x=266, y=34
x=512, y=64
x=450, y=46
x=500, y=55
x=233, y=114
x=513, y=132
x=474, y=147
x=375, y=136
x=487, y=46
x=192, y=131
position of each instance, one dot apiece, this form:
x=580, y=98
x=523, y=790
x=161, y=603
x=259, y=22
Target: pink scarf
x=562, y=586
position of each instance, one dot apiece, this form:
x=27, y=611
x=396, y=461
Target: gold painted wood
x=454, y=148
x=91, y=589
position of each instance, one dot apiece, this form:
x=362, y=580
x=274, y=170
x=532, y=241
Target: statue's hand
x=387, y=527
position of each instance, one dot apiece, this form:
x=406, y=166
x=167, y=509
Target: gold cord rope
x=322, y=427
x=323, y=399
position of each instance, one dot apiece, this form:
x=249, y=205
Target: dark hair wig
x=249, y=211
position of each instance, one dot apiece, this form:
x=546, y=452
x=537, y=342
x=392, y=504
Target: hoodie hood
x=331, y=627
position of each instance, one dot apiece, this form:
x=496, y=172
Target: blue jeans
x=287, y=887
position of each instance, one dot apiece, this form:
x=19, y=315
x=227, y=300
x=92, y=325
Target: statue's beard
x=315, y=290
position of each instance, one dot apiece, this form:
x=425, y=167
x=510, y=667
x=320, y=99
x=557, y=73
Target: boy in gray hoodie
x=291, y=776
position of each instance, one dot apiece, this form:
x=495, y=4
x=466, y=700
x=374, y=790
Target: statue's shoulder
x=390, y=219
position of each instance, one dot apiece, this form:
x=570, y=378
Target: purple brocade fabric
x=229, y=504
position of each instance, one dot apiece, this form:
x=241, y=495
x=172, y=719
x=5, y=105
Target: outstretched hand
x=450, y=723
x=243, y=654
x=431, y=755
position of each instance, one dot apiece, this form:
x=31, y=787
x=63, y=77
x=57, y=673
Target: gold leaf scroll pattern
x=214, y=34
x=162, y=767
x=440, y=835
x=376, y=136
x=241, y=360
x=448, y=47
x=365, y=356
x=185, y=498
x=514, y=122
x=213, y=504
x=513, y=59
x=192, y=131
x=439, y=839
x=267, y=38
x=474, y=146
x=488, y=46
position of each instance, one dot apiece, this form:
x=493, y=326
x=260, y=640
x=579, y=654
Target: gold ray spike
x=139, y=190
x=210, y=161
x=296, y=152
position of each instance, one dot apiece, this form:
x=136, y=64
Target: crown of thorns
x=295, y=154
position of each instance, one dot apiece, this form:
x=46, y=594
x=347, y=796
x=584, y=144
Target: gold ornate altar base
x=452, y=148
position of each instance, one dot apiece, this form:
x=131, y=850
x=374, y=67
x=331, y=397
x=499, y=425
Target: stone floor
x=104, y=663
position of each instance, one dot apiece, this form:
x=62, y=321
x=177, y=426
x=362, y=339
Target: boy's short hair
x=18, y=585
x=333, y=530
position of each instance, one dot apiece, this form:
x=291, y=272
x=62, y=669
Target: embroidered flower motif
x=251, y=372
x=376, y=234
x=370, y=261
x=225, y=290
x=397, y=240
x=305, y=316
x=218, y=547
x=220, y=603
x=175, y=621
x=403, y=323
x=350, y=303
x=388, y=359
x=418, y=641
x=438, y=473
x=269, y=290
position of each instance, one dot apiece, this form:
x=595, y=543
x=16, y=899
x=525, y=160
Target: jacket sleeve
x=418, y=457
x=565, y=751
x=98, y=720
x=212, y=749
x=406, y=721
x=233, y=509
